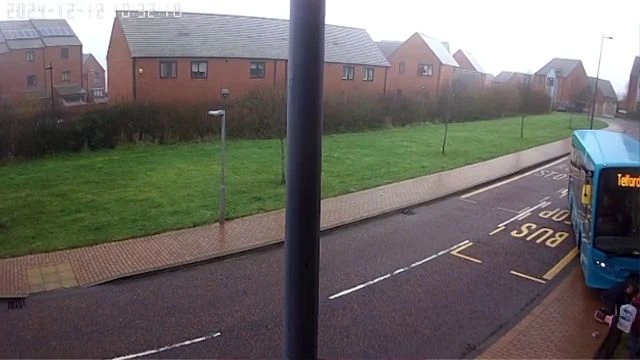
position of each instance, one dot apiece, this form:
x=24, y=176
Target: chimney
x=446, y=45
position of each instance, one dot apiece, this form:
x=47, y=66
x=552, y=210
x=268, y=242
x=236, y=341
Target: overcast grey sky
x=507, y=35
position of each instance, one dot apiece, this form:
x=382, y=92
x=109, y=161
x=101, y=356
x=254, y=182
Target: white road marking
x=469, y=200
x=521, y=216
x=523, y=210
x=496, y=230
x=396, y=272
x=476, y=192
x=508, y=210
x=169, y=347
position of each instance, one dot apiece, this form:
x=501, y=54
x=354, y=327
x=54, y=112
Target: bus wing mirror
x=586, y=194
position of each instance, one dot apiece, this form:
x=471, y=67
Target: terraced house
x=565, y=81
x=606, y=98
x=420, y=66
x=210, y=57
x=36, y=54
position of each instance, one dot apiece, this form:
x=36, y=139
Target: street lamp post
x=223, y=115
x=595, y=90
x=50, y=68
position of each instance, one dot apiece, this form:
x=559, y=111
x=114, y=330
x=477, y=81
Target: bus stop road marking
x=561, y=264
x=493, y=186
x=456, y=252
x=525, y=276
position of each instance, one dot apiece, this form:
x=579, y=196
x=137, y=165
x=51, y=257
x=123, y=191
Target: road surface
x=437, y=281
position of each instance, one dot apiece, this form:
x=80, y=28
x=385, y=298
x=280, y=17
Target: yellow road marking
x=497, y=230
x=528, y=277
x=456, y=252
x=561, y=264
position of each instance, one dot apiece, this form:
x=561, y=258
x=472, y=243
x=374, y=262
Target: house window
x=30, y=56
x=97, y=93
x=256, y=70
x=64, y=53
x=401, y=67
x=347, y=72
x=31, y=81
x=168, y=69
x=199, y=69
x=368, y=74
x=66, y=76
x=425, y=70
x=551, y=81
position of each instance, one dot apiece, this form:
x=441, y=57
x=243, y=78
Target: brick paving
x=101, y=263
x=560, y=327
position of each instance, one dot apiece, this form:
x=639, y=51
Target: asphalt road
x=435, y=282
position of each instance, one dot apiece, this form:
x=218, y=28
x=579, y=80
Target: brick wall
x=413, y=52
x=15, y=69
x=93, y=77
x=119, y=66
x=572, y=85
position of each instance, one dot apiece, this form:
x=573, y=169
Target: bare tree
x=447, y=101
x=279, y=111
x=525, y=88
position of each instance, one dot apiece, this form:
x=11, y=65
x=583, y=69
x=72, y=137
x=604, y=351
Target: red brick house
x=509, y=79
x=27, y=48
x=606, y=98
x=633, y=92
x=470, y=75
x=200, y=57
x=420, y=66
x=93, y=79
x=565, y=81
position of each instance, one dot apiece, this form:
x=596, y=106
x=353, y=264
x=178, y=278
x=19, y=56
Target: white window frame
x=201, y=72
x=171, y=73
x=551, y=81
x=348, y=72
x=30, y=56
x=66, y=76
x=368, y=73
x=425, y=69
x=258, y=65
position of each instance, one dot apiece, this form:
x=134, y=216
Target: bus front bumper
x=604, y=272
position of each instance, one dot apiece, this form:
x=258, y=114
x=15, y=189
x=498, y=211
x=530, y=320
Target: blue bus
x=604, y=203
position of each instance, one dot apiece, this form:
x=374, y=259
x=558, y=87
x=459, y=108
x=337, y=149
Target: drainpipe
x=384, y=88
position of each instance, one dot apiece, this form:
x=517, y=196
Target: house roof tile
x=388, y=47
x=563, y=67
x=230, y=36
x=605, y=87
x=439, y=50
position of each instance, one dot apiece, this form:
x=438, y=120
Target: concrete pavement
x=436, y=281
x=88, y=266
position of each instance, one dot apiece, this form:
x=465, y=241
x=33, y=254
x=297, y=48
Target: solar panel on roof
x=44, y=32
x=10, y=34
x=68, y=31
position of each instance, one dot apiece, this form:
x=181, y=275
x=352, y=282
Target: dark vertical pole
x=595, y=90
x=302, y=229
x=50, y=68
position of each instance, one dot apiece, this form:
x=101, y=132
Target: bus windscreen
x=617, y=227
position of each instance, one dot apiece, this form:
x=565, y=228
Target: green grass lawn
x=73, y=200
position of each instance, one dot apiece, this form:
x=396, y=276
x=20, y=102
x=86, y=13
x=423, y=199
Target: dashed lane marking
x=456, y=252
x=396, y=272
x=169, y=347
x=528, y=277
x=561, y=264
x=493, y=186
x=497, y=230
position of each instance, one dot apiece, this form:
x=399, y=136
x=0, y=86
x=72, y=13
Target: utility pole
x=302, y=216
x=595, y=90
x=50, y=68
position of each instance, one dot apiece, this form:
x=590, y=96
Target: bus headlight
x=601, y=264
